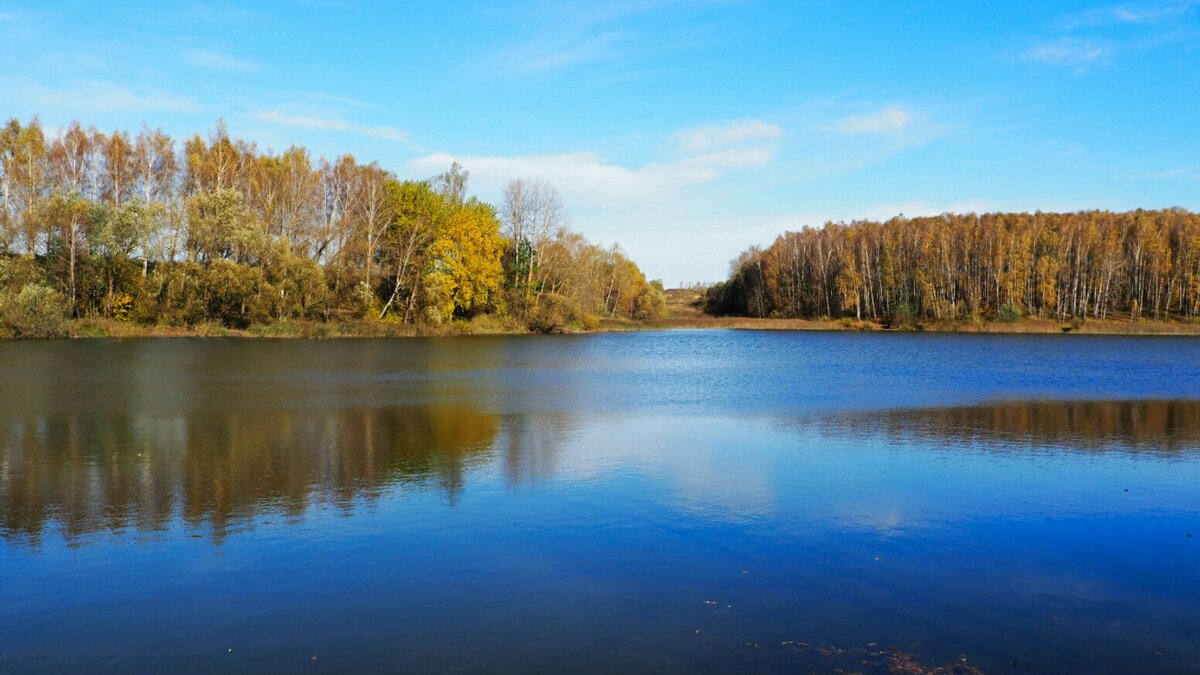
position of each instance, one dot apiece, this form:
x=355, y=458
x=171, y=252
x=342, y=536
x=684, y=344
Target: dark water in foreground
x=654, y=502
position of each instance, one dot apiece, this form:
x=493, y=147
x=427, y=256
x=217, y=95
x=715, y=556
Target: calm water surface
x=708, y=501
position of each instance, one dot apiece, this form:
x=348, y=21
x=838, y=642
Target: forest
x=1003, y=267
x=144, y=230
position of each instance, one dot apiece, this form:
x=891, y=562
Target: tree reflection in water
x=220, y=467
x=1143, y=426
x=90, y=473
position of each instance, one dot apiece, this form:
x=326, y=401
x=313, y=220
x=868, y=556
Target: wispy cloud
x=220, y=13
x=887, y=119
x=1135, y=13
x=343, y=100
x=588, y=48
x=552, y=36
x=217, y=60
x=1175, y=173
x=1095, y=36
x=95, y=96
x=385, y=132
x=835, y=136
x=1076, y=53
x=731, y=133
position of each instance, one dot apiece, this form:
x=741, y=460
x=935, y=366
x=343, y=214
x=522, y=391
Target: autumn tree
x=974, y=266
x=215, y=229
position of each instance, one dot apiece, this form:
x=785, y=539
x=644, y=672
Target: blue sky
x=685, y=131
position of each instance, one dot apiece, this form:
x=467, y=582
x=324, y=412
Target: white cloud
x=385, y=132
x=1067, y=52
x=95, y=96
x=705, y=154
x=703, y=168
x=888, y=119
x=645, y=206
x=215, y=60
x=586, y=178
x=840, y=137
x=739, y=131
x=581, y=176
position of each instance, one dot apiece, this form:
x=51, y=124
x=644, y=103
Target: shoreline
x=313, y=330
x=1027, y=327
x=682, y=313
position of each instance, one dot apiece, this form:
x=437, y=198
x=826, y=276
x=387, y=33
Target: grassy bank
x=107, y=328
x=683, y=312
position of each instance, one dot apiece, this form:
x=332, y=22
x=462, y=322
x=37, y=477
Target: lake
x=681, y=501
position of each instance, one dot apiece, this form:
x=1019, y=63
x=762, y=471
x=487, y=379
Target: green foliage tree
x=116, y=233
x=220, y=227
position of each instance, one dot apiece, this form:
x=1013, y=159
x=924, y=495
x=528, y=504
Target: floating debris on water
x=873, y=659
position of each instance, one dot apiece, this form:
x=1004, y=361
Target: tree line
x=978, y=267
x=145, y=229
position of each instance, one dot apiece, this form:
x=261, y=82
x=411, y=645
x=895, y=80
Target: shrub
x=37, y=311
x=17, y=271
x=650, y=302
x=726, y=298
x=171, y=295
x=235, y=293
x=555, y=313
x=1009, y=313
x=903, y=316
x=122, y=308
